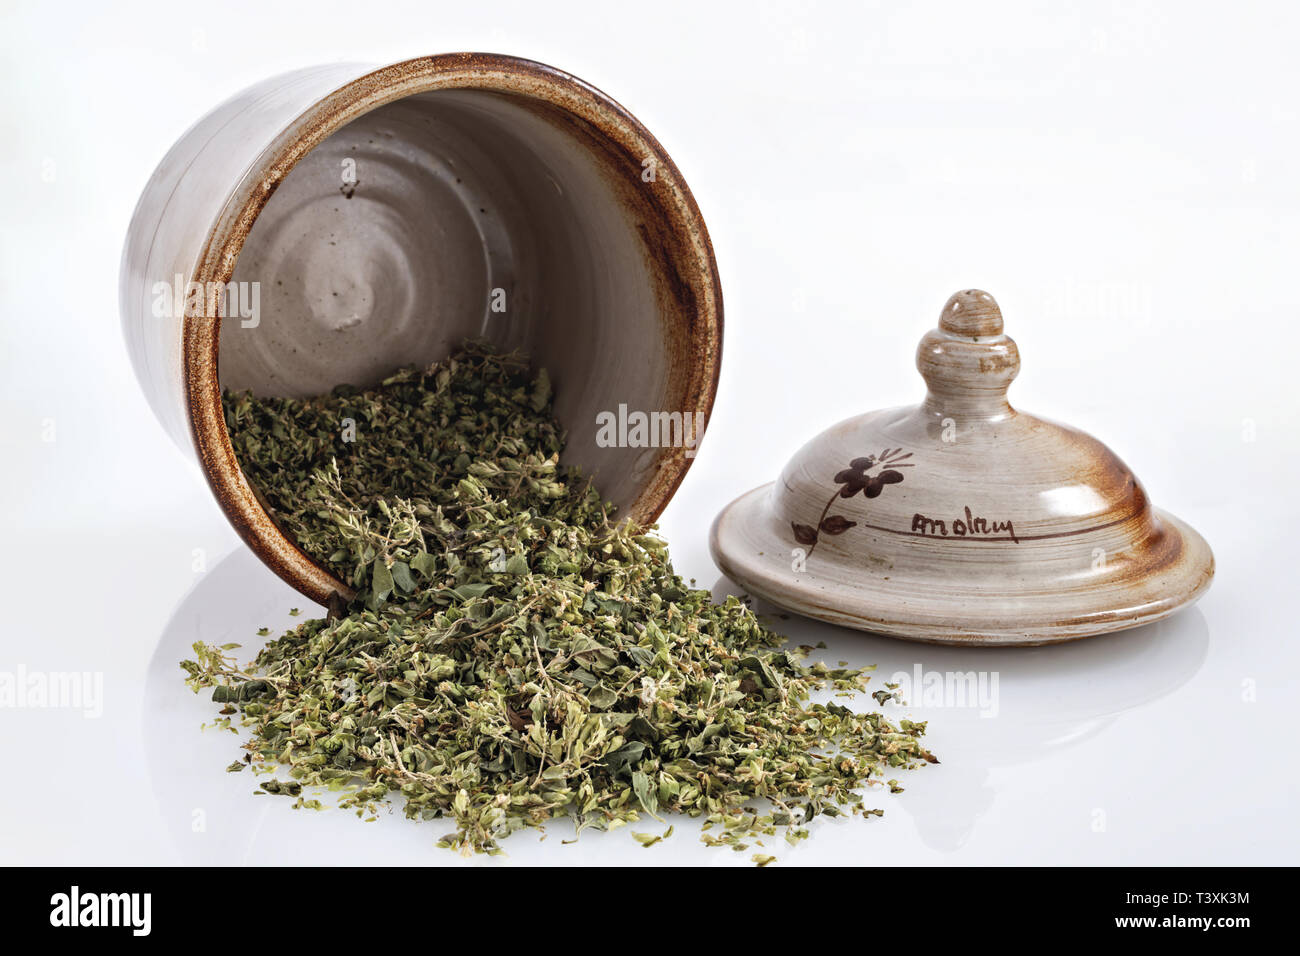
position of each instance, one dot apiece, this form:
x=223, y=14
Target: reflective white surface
x=1028, y=717
x=1137, y=213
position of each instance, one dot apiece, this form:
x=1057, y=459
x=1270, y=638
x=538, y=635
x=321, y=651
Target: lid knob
x=967, y=362
x=971, y=312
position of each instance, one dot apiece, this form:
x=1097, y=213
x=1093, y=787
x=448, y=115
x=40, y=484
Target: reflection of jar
x=327, y=226
x=1036, y=716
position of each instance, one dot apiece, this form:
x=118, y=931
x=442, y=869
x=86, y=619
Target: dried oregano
x=513, y=654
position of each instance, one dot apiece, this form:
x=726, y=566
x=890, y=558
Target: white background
x=1120, y=176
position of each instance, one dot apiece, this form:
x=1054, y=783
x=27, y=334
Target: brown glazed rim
x=700, y=358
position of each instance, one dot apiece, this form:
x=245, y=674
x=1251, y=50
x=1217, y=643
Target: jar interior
x=463, y=213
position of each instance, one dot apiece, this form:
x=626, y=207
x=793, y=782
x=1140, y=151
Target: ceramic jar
x=331, y=224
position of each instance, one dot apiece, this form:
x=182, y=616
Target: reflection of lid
x=961, y=520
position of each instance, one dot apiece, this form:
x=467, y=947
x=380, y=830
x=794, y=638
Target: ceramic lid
x=962, y=520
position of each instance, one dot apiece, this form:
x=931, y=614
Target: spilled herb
x=514, y=654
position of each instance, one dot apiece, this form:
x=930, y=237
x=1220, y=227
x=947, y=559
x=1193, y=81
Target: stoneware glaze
x=379, y=217
x=962, y=520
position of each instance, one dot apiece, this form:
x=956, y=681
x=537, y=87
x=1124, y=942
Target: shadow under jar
x=385, y=216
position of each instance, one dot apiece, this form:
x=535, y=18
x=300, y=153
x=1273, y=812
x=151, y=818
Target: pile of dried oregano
x=513, y=653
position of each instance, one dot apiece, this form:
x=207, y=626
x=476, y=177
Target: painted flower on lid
x=858, y=477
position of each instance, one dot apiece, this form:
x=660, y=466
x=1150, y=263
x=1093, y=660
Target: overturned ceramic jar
x=327, y=226
x=962, y=520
